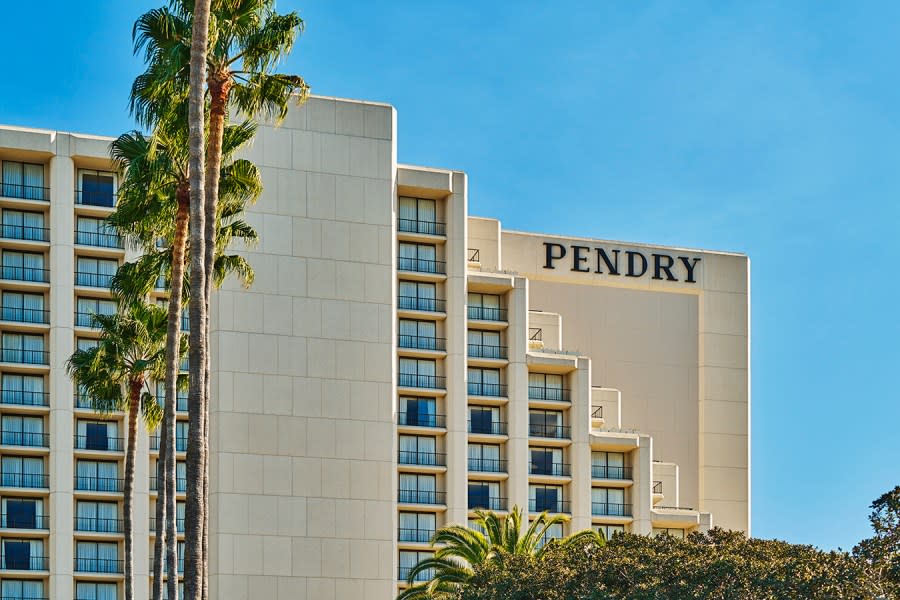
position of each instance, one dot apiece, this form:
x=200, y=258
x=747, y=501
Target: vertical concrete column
x=142, y=511
x=455, y=364
x=580, y=450
x=641, y=498
x=61, y=344
x=517, y=409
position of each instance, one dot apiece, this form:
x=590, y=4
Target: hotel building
x=396, y=365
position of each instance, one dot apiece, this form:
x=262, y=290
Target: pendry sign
x=622, y=263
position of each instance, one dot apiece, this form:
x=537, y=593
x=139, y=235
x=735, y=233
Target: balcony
x=608, y=509
x=180, y=566
x=421, y=265
x=181, y=403
x=29, y=274
x=479, y=502
x=38, y=316
x=487, y=465
x=98, y=240
x=20, y=521
x=430, y=382
x=102, y=198
x=486, y=351
x=25, y=192
x=610, y=472
x=418, y=536
x=421, y=420
x=25, y=480
x=86, y=319
x=26, y=439
x=421, y=497
x=433, y=305
x=99, y=525
x=112, y=566
x=422, y=459
x=403, y=574
x=487, y=427
x=491, y=390
x=95, y=280
x=180, y=443
x=180, y=484
x=24, y=562
x=486, y=313
x=553, y=506
x=27, y=233
x=418, y=342
x=179, y=525
x=24, y=398
x=101, y=443
x=26, y=357
x=550, y=469
x=99, y=484
x=422, y=227
x=546, y=430
x=553, y=394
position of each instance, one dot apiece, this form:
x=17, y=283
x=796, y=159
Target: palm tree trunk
x=193, y=546
x=161, y=492
x=134, y=399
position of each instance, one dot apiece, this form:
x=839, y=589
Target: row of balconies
x=32, y=233
x=81, y=483
x=491, y=390
x=439, y=305
x=42, y=399
x=543, y=430
x=39, y=193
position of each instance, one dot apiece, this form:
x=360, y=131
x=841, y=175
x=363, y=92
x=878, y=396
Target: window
x=485, y=344
x=415, y=372
x=86, y=308
x=95, y=272
x=19, y=430
x=609, y=465
x=23, y=180
x=547, y=461
x=97, y=188
x=97, y=516
x=485, y=382
x=421, y=258
x=24, y=348
x=24, y=390
x=180, y=476
x=485, y=420
x=86, y=343
x=553, y=532
x=419, y=215
x=419, y=450
x=24, y=555
x=675, y=533
x=543, y=386
x=24, y=225
x=609, y=531
x=546, y=423
x=419, y=412
x=89, y=590
x=97, y=476
x=485, y=458
x=485, y=307
x=98, y=435
x=20, y=589
x=409, y=559
x=421, y=335
x=97, y=557
x=609, y=502
x=416, y=488
x=24, y=513
x=181, y=397
x=415, y=295
x=416, y=527
x=24, y=266
x=96, y=232
x=24, y=308
x=485, y=495
x=545, y=497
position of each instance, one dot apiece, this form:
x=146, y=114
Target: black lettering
x=548, y=248
x=689, y=266
x=578, y=258
x=631, y=272
x=612, y=267
x=659, y=267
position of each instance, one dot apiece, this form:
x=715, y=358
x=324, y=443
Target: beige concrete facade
x=396, y=364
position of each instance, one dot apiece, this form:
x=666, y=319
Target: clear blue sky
x=768, y=128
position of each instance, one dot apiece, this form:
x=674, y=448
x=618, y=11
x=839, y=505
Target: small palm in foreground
x=459, y=548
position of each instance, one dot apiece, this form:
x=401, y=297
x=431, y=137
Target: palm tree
x=459, y=549
x=115, y=374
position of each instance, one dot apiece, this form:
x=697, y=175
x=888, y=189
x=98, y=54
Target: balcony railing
x=438, y=305
x=25, y=480
x=421, y=420
x=487, y=465
x=493, y=390
x=431, y=382
x=99, y=525
x=28, y=233
x=26, y=357
x=552, y=469
x=555, y=394
x=610, y=472
x=180, y=443
x=421, y=497
x=89, y=279
x=487, y=428
x=20, y=521
x=180, y=484
x=24, y=192
x=95, y=198
x=25, y=315
x=425, y=459
x=181, y=403
x=100, y=443
x=28, y=439
x=31, y=274
x=473, y=255
x=609, y=509
x=486, y=313
x=18, y=562
x=477, y=502
x=179, y=525
x=553, y=506
x=420, y=536
x=486, y=351
x=180, y=565
x=597, y=413
x=86, y=319
x=98, y=565
x=98, y=240
x=419, y=342
x=421, y=265
x=24, y=398
x=99, y=484
x=426, y=575
x=657, y=487
x=546, y=430
x=426, y=227
x=535, y=334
